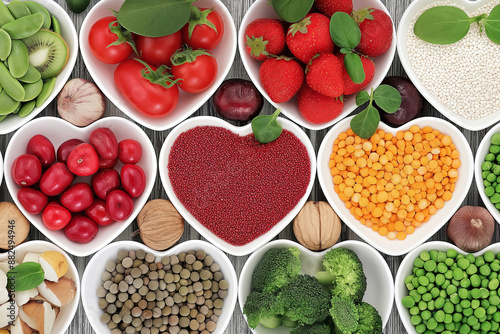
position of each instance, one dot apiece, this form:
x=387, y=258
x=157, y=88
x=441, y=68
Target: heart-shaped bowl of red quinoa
x=234, y=191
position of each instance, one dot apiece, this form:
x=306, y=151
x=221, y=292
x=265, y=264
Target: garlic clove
x=8, y=313
x=31, y=257
x=22, y=297
x=59, y=293
x=471, y=228
x=41, y=314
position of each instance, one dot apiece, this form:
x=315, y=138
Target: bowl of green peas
x=487, y=171
x=441, y=289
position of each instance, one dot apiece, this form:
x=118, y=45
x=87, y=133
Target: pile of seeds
x=178, y=294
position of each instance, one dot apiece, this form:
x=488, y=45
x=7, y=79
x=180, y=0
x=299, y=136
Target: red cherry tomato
x=119, y=205
x=105, y=143
x=56, y=179
x=81, y=229
x=97, y=212
x=83, y=160
x=151, y=99
x=32, y=200
x=100, y=38
x=105, y=181
x=129, y=151
x=42, y=147
x=133, y=180
x=55, y=216
x=78, y=197
x=158, y=50
x=198, y=75
x=203, y=36
x=65, y=149
x=26, y=170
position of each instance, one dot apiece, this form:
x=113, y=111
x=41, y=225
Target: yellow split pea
x=393, y=184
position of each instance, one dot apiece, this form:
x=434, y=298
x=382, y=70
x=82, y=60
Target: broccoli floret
x=345, y=315
x=304, y=300
x=370, y=321
x=261, y=307
x=276, y=268
x=344, y=271
x=311, y=329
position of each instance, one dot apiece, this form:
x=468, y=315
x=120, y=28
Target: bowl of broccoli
x=286, y=288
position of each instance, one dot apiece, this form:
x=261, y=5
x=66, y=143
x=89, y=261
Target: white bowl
x=262, y=8
x=404, y=25
x=379, y=280
x=242, y=131
x=14, y=122
x=91, y=279
x=405, y=269
x=68, y=311
x=188, y=103
x=58, y=131
x=422, y=233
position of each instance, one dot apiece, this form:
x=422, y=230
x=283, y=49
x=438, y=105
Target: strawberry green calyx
x=300, y=26
x=257, y=46
x=362, y=14
x=199, y=17
x=310, y=62
x=159, y=77
x=187, y=55
x=123, y=35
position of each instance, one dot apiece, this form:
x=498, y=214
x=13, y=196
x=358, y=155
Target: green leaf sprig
x=449, y=24
x=292, y=10
x=365, y=123
x=265, y=127
x=25, y=276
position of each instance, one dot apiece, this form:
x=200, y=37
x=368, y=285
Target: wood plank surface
x=238, y=8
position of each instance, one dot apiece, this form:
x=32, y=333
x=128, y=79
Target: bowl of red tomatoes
x=159, y=81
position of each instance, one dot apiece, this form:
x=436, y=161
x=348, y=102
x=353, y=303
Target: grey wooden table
x=238, y=8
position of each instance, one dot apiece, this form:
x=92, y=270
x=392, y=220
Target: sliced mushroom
x=59, y=293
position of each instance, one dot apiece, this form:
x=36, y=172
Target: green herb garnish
x=292, y=10
x=265, y=127
x=25, y=276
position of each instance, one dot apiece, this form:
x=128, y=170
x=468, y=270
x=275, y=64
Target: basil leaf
x=291, y=10
x=354, y=67
x=387, y=98
x=366, y=122
x=154, y=18
x=265, y=128
x=492, y=25
x=362, y=97
x=443, y=25
x=25, y=276
x=344, y=30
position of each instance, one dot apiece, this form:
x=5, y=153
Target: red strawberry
x=324, y=75
x=309, y=37
x=349, y=86
x=376, y=31
x=328, y=7
x=264, y=37
x=281, y=78
x=318, y=108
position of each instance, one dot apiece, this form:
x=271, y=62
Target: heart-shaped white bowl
x=188, y=103
x=404, y=25
x=405, y=269
x=263, y=8
x=242, y=131
x=379, y=280
x=58, y=131
x=68, y=31
x=68, y=311
x=398, y=247
x=91, y=279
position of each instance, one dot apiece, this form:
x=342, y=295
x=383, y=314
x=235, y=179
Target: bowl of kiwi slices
x=38, y=50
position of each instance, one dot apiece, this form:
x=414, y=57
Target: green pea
x=423, y=280
x=485, y=293
x=496, y=316
x=479, y=261
x=18, y=59
x=465, y=303
x=448, y=308
x=415, y=295
x=10, y=84
x=426, y=315
x=491, y=177
x=463, y=263
x=485, y=270
x=490, y=156
x=465, y=283
x=493, y=284
x=35, y=7
x=408, y=279
x=467, y=312
x=27, y=108
x=24, y=26
x=414, y=310
x=5, y=44
x=495, y=169
x=487, y=184
x=439, y=303
x=458, y=274
x=494, y=326
x=448, y=275
x=449, y=262
x=7, y=104
x=489, y=191
x=495, y=266
x=484, y=174
x=420, y=272
x=48, y=87
x=472, y=320
x=18, y=9
x=415, y=320
x=489, y=256
x=430, y=265
x=475, y=281
x=434, y=254
x=464, y=329
x=408, y=301
x=471, y=269
x=439, y=278
x=492, y=309
x=425, y=256
x=56, y=26
x=434, y=292
x=495, y=139
x=495, y=198
x=441, y=256
x=494, y=300
x=457, y=317
x=426, y=297
x=455, y=298
x=479, y=312
x=420, y=328
x=486, y=165
x=463, y=293
x=458, y=308
x=474, y=304
x=485, y=303
x=422, y=305
x=5, y=15
x=443, y=294
x=431, y=277
x=31, y=76
x=447, y=318
x=485, y=326
x=430, y=305
x=432, y=323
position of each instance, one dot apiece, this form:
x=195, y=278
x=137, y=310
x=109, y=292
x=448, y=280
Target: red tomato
x=83, y=160
x=78, y=197
x=158, y=50
x=97, y=212
x=26, y=170
x=32, y=200
x=81, y=229
x=197, y=75
x=133, y=180
x=129, y=151
x=55, y=179
x=119, y=205
x=42, y=147
x=100, y=38
x=198, y=34
x=151, y=99
x=55, y=216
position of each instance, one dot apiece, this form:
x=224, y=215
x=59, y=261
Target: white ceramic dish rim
x=412, y=241
x=290, y=109
x=68, y=311
x=242, y=131
x=97, y=264
x=404, y=24
x=246, y=272
x=116, y=228
x=70, y=36
x=168, y=121
x=400, y=289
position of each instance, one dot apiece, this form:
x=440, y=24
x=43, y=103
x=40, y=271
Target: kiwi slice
x=48, y=52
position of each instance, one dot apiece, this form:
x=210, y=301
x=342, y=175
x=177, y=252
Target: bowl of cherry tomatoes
x=167, y=78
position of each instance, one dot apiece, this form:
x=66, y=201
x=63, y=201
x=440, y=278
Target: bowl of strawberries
x=311, y=66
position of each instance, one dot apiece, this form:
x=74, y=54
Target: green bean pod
x=48, y=87
x=18, y=60
x=18, y=9
x=56, y=26
x=10, y=84
x=5, y=44
x=7, y=104
x=5, y=15
x=24, y=26
x=32, y=90
x=35, y=7
x=27, y=108
x=31, y=76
